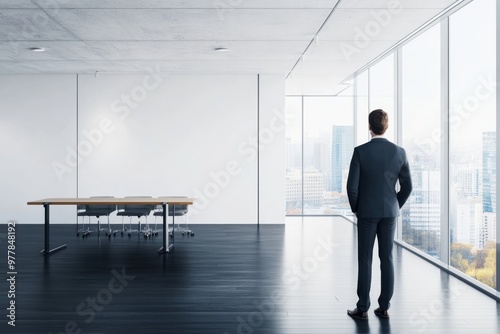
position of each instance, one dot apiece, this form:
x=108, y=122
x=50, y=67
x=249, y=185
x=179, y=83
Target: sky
x=472, y=65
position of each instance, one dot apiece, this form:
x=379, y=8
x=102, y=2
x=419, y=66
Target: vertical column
x=444, y=245
x=77, y=134
x=497, y=143
x=398, y=114
x=302, y=156
x=368, y=105
x=355, y=120
x=355, y=109
x=258, y=150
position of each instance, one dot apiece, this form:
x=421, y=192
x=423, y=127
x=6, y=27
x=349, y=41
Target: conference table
x=163, y=201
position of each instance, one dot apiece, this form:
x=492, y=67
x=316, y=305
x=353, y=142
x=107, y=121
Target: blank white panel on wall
x=272, y=149
x=171, y=135
x=37, y=127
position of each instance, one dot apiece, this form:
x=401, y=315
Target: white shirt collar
x=378, y=136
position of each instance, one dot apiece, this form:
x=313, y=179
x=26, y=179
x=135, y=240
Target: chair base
x=184, y=230
x=85, y=232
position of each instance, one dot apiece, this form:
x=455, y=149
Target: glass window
x=328, y=147
x=473, y=140
x=421, y=122
x=361, y=83
x=293, y=135
x=382, y=83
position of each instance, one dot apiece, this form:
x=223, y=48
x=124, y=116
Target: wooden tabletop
x=114, y=200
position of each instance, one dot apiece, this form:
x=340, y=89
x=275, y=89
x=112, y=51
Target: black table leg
x=46, y=250
x=166, y=247
x=173, y=224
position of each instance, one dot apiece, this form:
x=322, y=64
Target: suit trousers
x=368, y=229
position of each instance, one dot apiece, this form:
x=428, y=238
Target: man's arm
x=353, y=181
x=405, y=182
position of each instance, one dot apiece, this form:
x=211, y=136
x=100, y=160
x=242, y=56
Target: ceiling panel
x=336, y=51
x=224, y=5
x=17, y=4
x=205, y=67
x=358, y=24
x=385, y=4
x=340, y=67
x=55, y=50
x=30, y=24
x=52, y=67
x=192, y=24
x=203, y=50
x=179, y=36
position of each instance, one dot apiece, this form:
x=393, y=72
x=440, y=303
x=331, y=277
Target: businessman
x=371, y=188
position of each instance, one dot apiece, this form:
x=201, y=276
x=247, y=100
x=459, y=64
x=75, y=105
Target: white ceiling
x=263, y=36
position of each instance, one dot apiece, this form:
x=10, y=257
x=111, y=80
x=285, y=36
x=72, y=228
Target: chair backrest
x=137, y=209
x=103, y=209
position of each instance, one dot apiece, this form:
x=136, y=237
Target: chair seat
x=133, y=213
x=177, y=213
x=95, y=213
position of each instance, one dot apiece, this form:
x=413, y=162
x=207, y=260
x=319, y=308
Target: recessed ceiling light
x=37, y=49
x=221, y=49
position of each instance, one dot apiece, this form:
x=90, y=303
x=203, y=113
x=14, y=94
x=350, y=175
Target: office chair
x=94, y=210
x=175, y=211
x=80, y=210
x=135, y=210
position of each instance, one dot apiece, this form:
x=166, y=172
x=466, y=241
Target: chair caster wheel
x=192, y=234
x=122, y=233
x=130, y=234
x=78, y=234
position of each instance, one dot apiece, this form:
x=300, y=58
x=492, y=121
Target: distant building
x=468, y=181
x=424, y=207
x=469, y=221
x=317, y=155
x=342, y=148
x=293, y=186
x=489, y=172
x=314, y=187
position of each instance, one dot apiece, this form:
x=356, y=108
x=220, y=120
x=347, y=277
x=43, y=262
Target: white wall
x=37, y=120
x=145, y=135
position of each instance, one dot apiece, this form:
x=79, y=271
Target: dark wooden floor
x=294, y=278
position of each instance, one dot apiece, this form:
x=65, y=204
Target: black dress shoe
x=381, y=313
x=357, y=314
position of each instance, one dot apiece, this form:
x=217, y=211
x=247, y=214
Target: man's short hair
x=379, y=121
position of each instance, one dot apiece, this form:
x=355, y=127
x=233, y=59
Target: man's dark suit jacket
x=375, y=168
